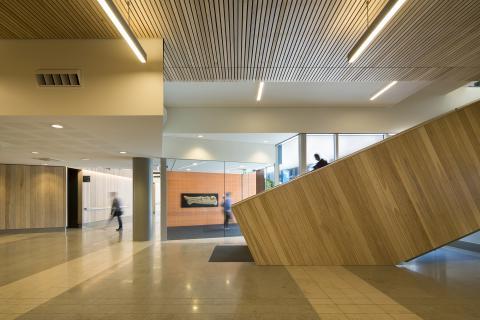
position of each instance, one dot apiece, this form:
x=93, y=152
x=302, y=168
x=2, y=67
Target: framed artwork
x=199, y=200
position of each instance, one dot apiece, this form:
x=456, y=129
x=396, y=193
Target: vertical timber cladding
x=32, y=197
x=396, y=200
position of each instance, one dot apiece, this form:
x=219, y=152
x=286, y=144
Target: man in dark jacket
x=320, y=162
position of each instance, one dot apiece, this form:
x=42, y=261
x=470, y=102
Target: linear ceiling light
x=376, y=95
x=112, y=12
x=260, y=91
x=390, y=9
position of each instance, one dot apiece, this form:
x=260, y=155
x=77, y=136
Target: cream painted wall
x=285, y=119
x=96, y=202
x=416, y=109
x=114, y=82
x=202, y=149
x=424, y=106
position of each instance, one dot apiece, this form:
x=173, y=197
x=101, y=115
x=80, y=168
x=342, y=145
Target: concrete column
x=163, y=199
x=302, y=152
x=142, y=199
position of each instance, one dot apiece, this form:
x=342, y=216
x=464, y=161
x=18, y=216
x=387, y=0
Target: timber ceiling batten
x=273, y=40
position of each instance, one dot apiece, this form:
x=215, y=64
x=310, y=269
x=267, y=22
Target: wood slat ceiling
x=273, y=40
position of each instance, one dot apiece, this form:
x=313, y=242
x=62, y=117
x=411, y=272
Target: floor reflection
x=443, y=284
x=99, y=273
x=451, y=267
x=122, y=279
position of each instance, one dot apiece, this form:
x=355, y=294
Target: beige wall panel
x=388, y=203
x=47, y=199
x=32, y=197
x=17, y=197
x=113, y=81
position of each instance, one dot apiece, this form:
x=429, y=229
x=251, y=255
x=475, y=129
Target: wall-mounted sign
x=86, y=178
x=196, y=200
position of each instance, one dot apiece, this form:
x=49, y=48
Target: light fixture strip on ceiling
x=260, y=91
x=376, y=95
x=390, y=9
x=116, y=17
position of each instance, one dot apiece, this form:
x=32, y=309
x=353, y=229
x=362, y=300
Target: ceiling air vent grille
x=58, y=78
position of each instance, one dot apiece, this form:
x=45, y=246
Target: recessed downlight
x=57, y=126
x=85, y=159
x=44, y=164
x=123, y=152
x=265, y=141
x=200, y=136
x=194, y=164
x=188, y=169
x=35, y=152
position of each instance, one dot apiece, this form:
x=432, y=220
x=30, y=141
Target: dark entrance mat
x=232, y=253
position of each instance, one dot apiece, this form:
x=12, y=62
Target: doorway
x=74, y=198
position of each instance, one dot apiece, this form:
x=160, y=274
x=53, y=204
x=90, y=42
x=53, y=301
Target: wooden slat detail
x=32, y=197
x=272, y=40
x=396, y=200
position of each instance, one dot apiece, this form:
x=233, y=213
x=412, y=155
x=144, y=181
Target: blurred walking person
x=227, y=209
x=116, y=210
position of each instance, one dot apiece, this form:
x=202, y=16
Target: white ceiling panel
x=286, y=94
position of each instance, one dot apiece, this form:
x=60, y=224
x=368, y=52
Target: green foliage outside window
x=268, y=184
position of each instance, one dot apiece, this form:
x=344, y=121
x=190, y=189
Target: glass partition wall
x=288, y=159
x=323, y=145
x=200, y=194
x=350, y=143
x=330, y=147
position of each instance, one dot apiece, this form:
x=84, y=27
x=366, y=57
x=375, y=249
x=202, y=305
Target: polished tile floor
x=98, y=274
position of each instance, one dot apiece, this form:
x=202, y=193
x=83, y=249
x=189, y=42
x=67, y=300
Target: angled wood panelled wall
x=389, y=203
x=32, y=197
